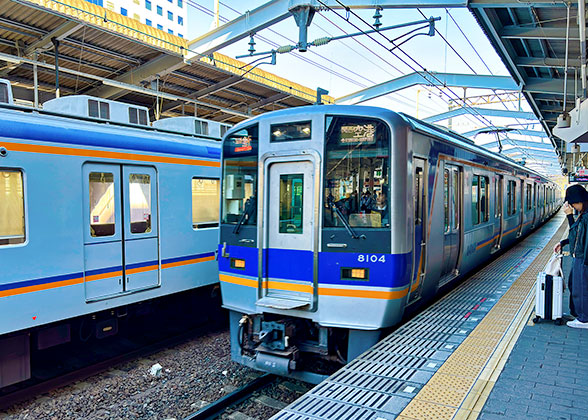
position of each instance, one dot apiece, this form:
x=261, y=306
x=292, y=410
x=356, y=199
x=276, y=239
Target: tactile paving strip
x=428, y=367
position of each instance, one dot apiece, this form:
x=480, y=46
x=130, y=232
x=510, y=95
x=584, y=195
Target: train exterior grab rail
x=335, y=219
x=96, y=218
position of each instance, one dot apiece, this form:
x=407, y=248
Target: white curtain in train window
x=205, y=202
x=102, y=210
x=12, y=228
x=140, y=201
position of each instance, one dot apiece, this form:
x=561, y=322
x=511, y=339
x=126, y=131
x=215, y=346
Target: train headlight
x=354, y=273
x=237, y=263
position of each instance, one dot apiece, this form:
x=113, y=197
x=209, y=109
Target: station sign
x=578, y=178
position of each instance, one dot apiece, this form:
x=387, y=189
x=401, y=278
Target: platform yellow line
x=461, y=386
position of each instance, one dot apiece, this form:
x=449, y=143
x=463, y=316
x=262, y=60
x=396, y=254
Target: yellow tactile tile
x=459, y=389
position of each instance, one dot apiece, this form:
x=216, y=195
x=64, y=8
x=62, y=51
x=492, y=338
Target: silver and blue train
x=99, y=212
x=336, y=219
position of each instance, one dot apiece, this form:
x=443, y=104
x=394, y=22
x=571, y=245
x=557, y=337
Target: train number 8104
x=371, y=258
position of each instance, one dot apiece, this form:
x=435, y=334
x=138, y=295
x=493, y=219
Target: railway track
x=135, y=351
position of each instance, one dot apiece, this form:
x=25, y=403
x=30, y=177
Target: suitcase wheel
x=536, y=320
x=558, y=321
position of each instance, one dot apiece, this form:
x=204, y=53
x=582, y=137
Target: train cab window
x=290, y=131
x=291, y=200
x=140, y=202
x=102, y=204
x=480, y=188
x=12, y=217
x=356, y=184
x=239, y=203
x=205, y=202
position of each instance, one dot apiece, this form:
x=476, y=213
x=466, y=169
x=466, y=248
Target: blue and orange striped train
x=335, y=219
x=99, y=211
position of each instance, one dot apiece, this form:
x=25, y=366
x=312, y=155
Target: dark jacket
x=578, y=238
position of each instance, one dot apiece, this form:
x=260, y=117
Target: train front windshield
x=240, y=177
x=356, y=173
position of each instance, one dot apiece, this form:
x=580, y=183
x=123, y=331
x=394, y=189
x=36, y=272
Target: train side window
x=12, y=217
x=511, y=198
x=529, y=197
x=102, y=204
x=205, y=202
x=140, y=202
x=418, y=196
x=475, y=200
x=446, y=199
x=455, y=199
x=480, y=187
x=484, y=187
x=496, y=210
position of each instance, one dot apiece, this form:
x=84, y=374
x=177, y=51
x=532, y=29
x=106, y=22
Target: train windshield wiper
x=249, y=207
x=341, y=216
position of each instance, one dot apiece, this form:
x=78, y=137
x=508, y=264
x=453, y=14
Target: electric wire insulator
x=285, y=49
x=321, y=41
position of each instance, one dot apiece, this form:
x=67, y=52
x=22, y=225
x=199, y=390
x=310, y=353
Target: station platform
x=473, y=354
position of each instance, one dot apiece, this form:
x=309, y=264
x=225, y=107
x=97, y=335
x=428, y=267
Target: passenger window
x=291, y=203
x=418, y=181
x=529, y=197
x=484, y=198
x=12, y=221
x=446, y=198
x=205, y=202
x=475, y=201
x=511, y=198
x=140, y=202
x=455, y=198
x=102, y=204
x=480, y=190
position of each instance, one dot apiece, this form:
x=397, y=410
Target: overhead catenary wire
x=473, y=112
x=309, y=61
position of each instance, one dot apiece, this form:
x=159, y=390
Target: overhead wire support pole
x=325, y=40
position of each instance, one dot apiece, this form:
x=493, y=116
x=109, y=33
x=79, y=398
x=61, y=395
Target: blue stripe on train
x=385, y=270
x=55, y=279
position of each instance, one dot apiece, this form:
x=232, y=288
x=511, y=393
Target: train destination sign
x=242, y=144
x=358, y=134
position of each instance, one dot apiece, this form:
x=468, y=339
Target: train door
x=498, y=213
x=452, y=228
x=120, y=234
x=141, y=250
x=289, y=236
x=419, y=177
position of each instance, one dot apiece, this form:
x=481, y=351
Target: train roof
x=416, y=124
x=31, y=124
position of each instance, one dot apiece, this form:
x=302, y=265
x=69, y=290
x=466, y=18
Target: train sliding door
x=121, y=251
x=452, y=228
x=419, y=177
x=289, y=236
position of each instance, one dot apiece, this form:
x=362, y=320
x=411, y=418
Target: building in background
x=168, y=15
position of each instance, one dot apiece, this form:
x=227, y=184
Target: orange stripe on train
x=69, y=151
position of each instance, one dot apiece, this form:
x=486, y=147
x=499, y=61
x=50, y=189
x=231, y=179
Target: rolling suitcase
x=549, y=292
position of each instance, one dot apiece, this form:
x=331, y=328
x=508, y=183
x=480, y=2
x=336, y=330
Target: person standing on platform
x=577, y=197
